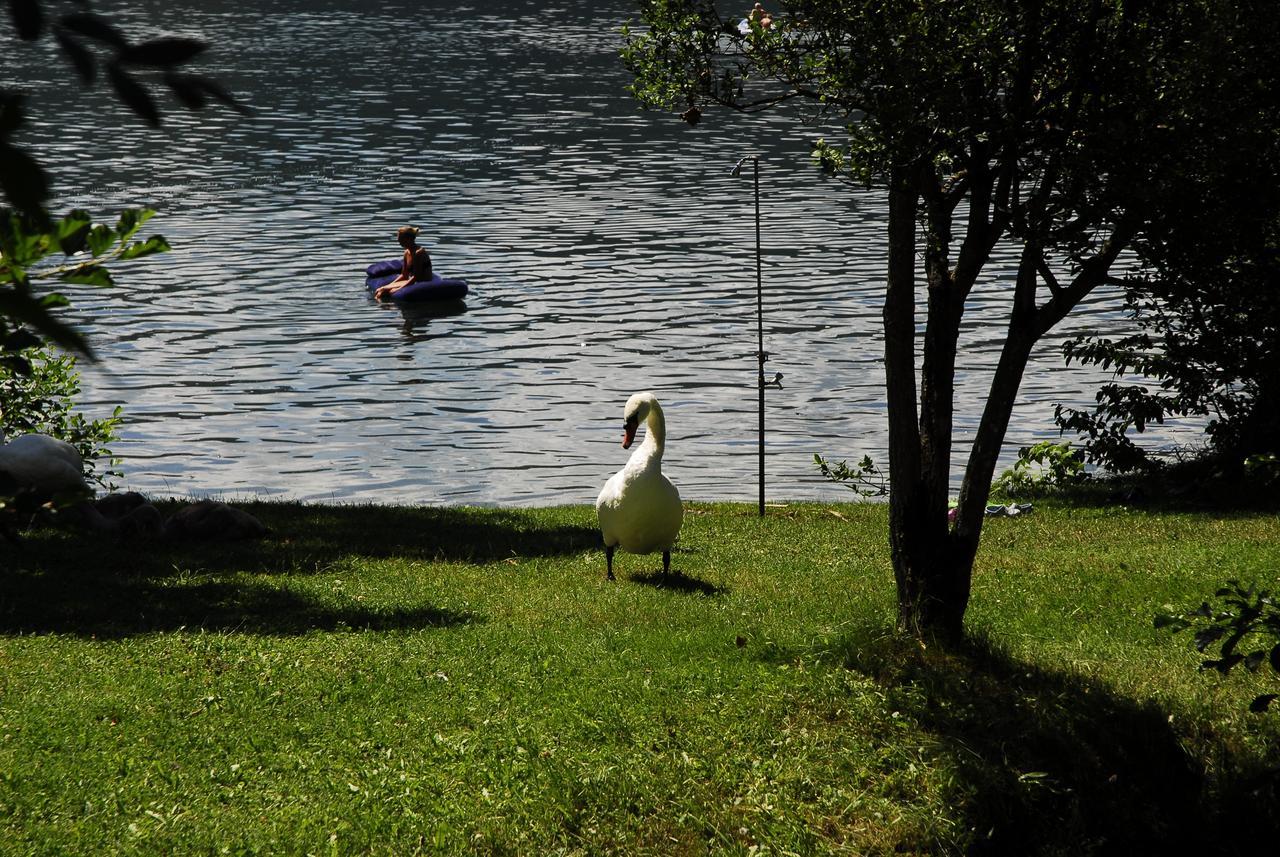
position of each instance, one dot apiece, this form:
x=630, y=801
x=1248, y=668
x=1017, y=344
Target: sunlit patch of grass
x=399, y=681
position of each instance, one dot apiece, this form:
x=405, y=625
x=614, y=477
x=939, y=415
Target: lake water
x=608, y=250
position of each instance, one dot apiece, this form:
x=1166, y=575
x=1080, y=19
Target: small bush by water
x=425, y=680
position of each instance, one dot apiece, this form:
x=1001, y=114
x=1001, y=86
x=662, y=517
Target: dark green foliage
x=27, y=242
x=865, y=479
x=1043, y=468
x=1209, y=345
x=40, y=399
x=1241, y=629
x=1205, y=295
x=38, y=386
x=1263, y=469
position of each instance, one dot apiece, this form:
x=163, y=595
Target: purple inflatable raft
x=437, y=288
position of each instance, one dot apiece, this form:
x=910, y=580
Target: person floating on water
x=416, y=267
x=760, y=14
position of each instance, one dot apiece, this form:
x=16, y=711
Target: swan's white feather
x=46, y=464
x=639, y=509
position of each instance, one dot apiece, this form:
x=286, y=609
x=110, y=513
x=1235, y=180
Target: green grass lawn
x=399, y=681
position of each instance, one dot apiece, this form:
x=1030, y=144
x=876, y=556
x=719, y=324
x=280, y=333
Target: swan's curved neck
x=655, y=437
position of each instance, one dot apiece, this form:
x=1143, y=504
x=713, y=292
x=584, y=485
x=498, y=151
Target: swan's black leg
x=608, y=558
x=666, y=562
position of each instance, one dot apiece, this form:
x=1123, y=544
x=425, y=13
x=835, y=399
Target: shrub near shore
x=392, y=680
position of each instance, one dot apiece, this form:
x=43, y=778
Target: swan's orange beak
x=628, y=435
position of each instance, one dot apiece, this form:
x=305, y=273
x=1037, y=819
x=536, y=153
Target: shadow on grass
x=1200, y=485
x=90, y=604
x=80, y=583
x=438, y=534
x=1055, y=763
x=308, y=539
x=676, y=581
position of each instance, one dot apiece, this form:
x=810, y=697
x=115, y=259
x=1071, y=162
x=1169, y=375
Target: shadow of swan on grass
x=677, y=581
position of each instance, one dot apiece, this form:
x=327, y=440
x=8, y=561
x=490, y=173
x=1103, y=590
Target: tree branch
x=1093, y=272
x=1046, y=274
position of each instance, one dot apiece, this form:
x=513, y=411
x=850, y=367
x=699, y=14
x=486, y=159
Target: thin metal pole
x=759, y=327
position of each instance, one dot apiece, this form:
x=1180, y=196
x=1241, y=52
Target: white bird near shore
x=638, y=508
x=43, y=464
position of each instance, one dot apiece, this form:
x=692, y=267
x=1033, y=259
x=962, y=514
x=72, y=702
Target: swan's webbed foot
x=666, y=562
x=608, y=558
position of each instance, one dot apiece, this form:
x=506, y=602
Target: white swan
x=43, y=464
x=639, y=509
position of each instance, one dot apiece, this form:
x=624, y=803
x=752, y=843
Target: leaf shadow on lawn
x=1051, y=762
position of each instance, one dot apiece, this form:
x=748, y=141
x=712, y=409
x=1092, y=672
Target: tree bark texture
x=932, y=580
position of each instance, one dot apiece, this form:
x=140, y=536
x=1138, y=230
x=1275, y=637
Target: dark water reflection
x=608, y=251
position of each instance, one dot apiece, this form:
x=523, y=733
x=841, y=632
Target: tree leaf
x=30, y=311
x=190, y=93
x=88, y=24
x=23, y=242
x=28, y=19
x=131, y=220
x=100, y=238
x=17, y=364
x=133, y=94
x=213, y=89
x=154, y=244
x=165, y=53
x=23, y=182
x=81, y=59
x=20, y=339
x=72, y=231
x=11, y=113
x=89, y=275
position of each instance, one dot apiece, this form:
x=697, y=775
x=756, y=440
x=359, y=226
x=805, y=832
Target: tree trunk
x=932, y=577
x=932, y=560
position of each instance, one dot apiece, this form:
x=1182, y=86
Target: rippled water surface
x=608, y=251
